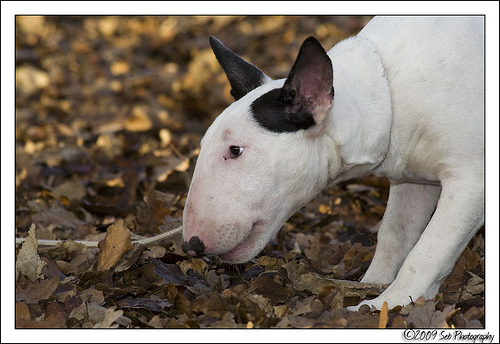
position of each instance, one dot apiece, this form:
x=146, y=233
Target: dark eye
x=235, y=151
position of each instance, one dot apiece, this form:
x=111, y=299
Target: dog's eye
x=235, y=151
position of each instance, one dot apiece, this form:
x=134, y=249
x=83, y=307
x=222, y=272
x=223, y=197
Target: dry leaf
x=92, y=295
x=426, y=316
x=56, y=320
x=384, y=317
x=72, y=190
x=114, y=246
x=28, y=261
x=30, y=79
x=154, y=252
x=198, y=266
x=22, y=314
x=110, y=316
x=138, y=121
x=37, y=291
x=174, y=164
x=130, y=258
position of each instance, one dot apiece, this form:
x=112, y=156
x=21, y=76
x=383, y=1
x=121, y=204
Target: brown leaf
x=130, y=258
x=425, y=316
x=470, y=319
x=157, y=322
x=28, y=262
x=65, y=290
x=271, y=286
x=309, y=305
x=56, y=320
x=152, y=303
x=96, y=316
x=110, y=316
x=213, y=306
x=114, y=246
x=57, y=216
x=22, y=313
x=92, y=295
x=37, y=291
x=296, y=321
x=227, y=321
x=139, y=120
x=154, y=252
x=383, y=317
x=170, y=272
x=72, y=190
x=198, y=266
x=398, y=322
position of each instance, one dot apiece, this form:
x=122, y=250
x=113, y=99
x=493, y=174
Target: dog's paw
x=376, y=304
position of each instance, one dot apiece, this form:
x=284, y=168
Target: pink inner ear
x=312, y=79
x=309, y=87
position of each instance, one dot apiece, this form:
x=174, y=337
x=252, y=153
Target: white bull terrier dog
x=402, y=99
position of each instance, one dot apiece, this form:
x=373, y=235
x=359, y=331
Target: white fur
x=408, y=105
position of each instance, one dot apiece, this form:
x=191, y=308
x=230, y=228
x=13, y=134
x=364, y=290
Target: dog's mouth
x=247, y=248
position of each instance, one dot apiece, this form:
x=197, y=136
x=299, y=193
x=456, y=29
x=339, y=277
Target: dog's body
x=406, y=103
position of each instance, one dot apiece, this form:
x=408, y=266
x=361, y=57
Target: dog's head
x=263, y=158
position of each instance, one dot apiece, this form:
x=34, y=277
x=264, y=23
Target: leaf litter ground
x=109, y=115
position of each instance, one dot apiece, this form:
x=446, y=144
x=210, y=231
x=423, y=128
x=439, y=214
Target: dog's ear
x=309, y=86
x=243, y=76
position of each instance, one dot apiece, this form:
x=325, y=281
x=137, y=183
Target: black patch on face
x=282, y=112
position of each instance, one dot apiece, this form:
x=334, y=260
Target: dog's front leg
x=409, y=209
x=459, y=214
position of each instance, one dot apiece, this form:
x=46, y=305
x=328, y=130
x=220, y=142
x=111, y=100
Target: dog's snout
x=194, y=247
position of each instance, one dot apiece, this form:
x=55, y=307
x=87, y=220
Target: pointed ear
x=243, y=76
x=309, y=86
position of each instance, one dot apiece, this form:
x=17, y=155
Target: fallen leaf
x=157, y=322
x=72, y=190
x=92, y=295
x=227, y=321
x=426, y=316
x=398, y=322
x=138, y=121
x=383, y=317
x=22, y=313
x=120, y=67
x=57, y=216
x=110, y=316
x=309, y=305
x=169, y=272
x=57, y=320
x=153, y=303
x=470, y=319
x=30, y=79
x=114, y=246
x=271, y=286
x=28, y=262
x=297, y=321
x=154, y=252
x=475, y=286
x=37, y=291
x=196, y=266
x=130, y=258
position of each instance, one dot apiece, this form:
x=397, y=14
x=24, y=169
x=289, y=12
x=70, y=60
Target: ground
x=109, y=115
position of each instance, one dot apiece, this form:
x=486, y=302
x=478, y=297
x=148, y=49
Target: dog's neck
x=361, y=117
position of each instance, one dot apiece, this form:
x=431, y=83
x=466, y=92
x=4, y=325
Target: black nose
x=194, y=247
